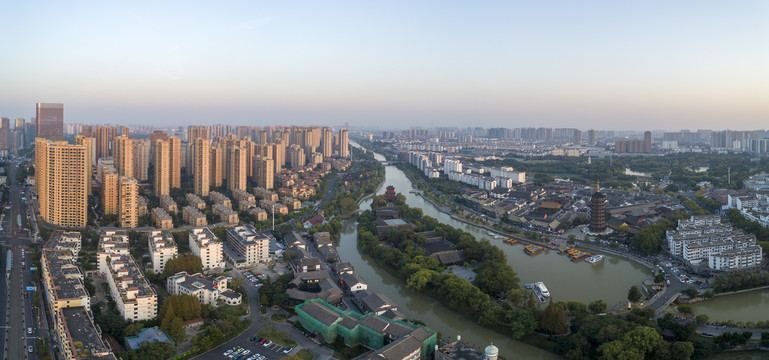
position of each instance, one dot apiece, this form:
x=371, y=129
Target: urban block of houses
x=142, y=206
x=225, y=214
x=704, y=239
x=168, y=204
x=269, y=206
x=325, y=246
x=242, y=195
x=146, y=336
x=161, y=219
x=219, y=198
x=209, y=291
x=70, y=241
x=195, y=201
x=440, y=249
x=265, y=194
x=193, y=216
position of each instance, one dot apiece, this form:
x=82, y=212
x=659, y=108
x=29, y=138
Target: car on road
x=261, y=342
x=228, y=352
x=268, y=343
x=287, y=350
x=29, y=330
x=246, y=352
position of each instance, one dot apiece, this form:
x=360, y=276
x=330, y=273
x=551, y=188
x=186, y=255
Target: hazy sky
x=586, y=64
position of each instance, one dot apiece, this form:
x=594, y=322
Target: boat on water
x=533, y=249
x=595, y=258
x=539, y=289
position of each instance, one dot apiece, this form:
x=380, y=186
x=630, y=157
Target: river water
x=747, y=306
x=608, y=280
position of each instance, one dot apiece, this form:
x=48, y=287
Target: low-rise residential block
x=168, y=204
x=219, y=198
x=209, y=291
x=193, y=216
x=161, y=219
x=225, y=214
x=195, y=201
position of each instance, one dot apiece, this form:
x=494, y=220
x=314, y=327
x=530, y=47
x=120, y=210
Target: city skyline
x=591, y=64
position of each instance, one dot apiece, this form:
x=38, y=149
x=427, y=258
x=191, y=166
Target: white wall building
x=207, y=246
x=208, y=291
x=253, y=247
x=162, y=248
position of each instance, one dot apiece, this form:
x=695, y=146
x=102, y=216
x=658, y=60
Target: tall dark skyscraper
x=50, y=121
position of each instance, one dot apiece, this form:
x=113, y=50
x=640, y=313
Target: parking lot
x=256, y=349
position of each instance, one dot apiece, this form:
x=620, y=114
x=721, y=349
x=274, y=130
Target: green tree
x=702, y=318
x=418, y=280
x=522, y=322
x=681, y=350
x=634, y=294
x=659, y=278
x=636, y=344
x=553, y=319
x=685, y=309
x=597, y=307
x=189, y=262
x=690, y=292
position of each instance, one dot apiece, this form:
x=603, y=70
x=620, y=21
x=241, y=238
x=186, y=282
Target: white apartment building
x=207, y=246
x=111, y=243
x=736, y=259
x=66, y=241
x=136, y=300
x=162, y=248
x=252, y=247
x=450, y=165
x=208, y=291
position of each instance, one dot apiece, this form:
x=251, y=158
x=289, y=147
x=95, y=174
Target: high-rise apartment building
x=124, y=155
x=577, y=137
x=103, y=137
x=344, y=144
x=49, y=119
x=592, y=137
x=162, y=161
x=236, y=174
x=264, y=172
x=216, y=166
x=647, y=142
x=62, y=175
x=175, y=174
x=326, y=143
x=109, y=190
x=202, y=166
x=142, y=159
x=87, y=143
x=5, y=131
x=128, y=198
x=279, y=155
x=296, y=156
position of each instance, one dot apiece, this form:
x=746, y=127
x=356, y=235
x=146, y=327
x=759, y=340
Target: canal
x=747, y=306
x=608, y=280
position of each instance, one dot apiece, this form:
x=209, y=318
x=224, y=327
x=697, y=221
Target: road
x=16, y=311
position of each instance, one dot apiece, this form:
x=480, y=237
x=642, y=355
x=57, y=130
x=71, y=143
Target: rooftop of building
x=246, y=235
x=148, y=335
x=127, y=277
x=82, y=329
x=204, y=236
x=192, y=211
x=161, y=214
x=162, y=239
x=223, y=209
x=64, y=274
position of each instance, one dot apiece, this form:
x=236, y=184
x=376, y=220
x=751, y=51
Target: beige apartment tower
x=49, y=119
x=124, y=155
x=264, y=172
x=87, y=142
x=128, y=202
x=175, y=175
x=202, y=166
x=326, y=144
x=162, y=180
x=109, y=190
x=61, y=180
x=216, y=166
x=236, y=174
x=142, y=159
x=344, y=144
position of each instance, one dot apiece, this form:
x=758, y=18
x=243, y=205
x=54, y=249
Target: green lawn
x=305, y=355
x=276, y=337
x=278, y=317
